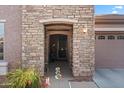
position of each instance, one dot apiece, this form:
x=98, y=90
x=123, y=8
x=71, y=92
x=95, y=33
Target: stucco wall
x=109, y=25
x=12, y=49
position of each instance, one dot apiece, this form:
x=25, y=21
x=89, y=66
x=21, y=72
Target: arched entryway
x=58, y=47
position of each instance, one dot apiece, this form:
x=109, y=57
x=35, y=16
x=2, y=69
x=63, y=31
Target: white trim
x=3, y=63
x=109, y=29
x=2, y=21
x=3, y=68
x=69, y=84
x=57, y=20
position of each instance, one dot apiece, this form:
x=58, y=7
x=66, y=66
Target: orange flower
x=29, y=82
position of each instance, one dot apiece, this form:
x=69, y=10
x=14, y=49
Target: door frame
x=47, y=41
x=57, y=47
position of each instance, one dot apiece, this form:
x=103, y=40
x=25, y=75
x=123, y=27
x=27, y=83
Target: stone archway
x=59, y=30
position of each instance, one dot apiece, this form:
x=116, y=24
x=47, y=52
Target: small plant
x=24, y=78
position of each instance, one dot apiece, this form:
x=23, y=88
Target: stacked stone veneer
x=33, y=33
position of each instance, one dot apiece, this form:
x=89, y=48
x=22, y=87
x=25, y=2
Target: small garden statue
x=58, y=73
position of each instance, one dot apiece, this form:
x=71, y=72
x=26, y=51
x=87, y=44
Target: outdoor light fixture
x=85, y=29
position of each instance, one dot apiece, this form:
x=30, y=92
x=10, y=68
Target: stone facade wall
x=83, y=43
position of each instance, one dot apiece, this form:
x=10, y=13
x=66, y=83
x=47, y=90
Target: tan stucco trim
x=58, y=20
x=110, y=16
x=2, y=21
x=109, y=29
x=109, y=19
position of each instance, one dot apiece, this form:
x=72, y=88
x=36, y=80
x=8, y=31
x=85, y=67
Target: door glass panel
x=58, y=47
x=62, y=46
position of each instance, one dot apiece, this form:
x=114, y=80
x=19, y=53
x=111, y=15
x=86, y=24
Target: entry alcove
x=58, y=43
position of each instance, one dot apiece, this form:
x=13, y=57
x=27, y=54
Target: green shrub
x=24, y=78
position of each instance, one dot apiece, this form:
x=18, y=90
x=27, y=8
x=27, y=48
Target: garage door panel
x=109, y=53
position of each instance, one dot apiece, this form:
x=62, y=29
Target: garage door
x=109, y=51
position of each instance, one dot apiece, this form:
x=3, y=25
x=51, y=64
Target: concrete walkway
x=83, y=84
x=65, y=72
x=109, y=78
x=103, y=78
x=65, y=81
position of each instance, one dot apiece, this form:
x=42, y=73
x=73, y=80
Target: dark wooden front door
x=58, y=48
